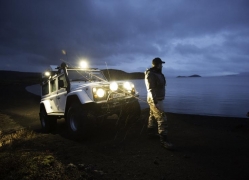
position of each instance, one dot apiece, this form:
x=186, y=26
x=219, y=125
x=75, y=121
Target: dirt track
x=207, y=147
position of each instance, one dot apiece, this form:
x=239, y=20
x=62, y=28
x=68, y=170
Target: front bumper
x=115, y=105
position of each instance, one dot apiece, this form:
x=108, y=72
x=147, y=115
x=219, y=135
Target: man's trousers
x=158, y=116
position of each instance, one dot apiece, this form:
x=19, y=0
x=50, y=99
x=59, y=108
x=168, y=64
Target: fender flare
x=77, y=96
x=46, y=105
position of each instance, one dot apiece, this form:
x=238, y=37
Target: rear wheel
x=48, y=123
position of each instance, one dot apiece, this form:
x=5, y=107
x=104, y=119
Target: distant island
x=194, y=75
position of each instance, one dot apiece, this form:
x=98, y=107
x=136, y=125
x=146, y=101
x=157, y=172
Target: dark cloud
x=187, y=34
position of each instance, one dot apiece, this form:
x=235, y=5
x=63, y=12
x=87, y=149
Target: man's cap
x=157, y=61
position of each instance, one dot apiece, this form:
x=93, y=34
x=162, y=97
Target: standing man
x=155, y=83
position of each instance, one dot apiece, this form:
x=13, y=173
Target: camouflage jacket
x=155, y=83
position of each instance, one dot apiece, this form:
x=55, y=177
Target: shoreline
x=202, y=115
x=34, y=89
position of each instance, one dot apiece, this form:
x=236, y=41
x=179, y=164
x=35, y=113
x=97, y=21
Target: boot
x=166, y=143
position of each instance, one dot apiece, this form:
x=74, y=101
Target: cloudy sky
x=206, y=37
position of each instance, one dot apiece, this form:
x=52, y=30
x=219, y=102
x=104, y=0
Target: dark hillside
x=35, y=77
x=113, y=74
x=17, y=77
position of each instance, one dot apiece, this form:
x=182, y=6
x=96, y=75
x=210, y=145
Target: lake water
x=216, y=96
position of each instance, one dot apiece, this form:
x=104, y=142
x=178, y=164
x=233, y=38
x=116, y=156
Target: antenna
x=108, y=71
x=65, y=53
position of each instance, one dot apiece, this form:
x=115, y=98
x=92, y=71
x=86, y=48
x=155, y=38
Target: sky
x=205, y=37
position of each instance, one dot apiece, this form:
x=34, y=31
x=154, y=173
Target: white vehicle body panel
x=82, y=95
x=47, y=105
x=61, y=99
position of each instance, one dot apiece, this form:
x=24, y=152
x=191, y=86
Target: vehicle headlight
x=128, y=86
x=47, y=73
x=100, y=92
x=114, y=86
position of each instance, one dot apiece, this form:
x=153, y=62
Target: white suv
x=82, y=97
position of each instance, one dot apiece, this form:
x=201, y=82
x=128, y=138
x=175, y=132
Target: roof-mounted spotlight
x=47, y=73
x=83, y=64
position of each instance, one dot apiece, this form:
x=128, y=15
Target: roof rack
x=82, y=68
x=53, y=68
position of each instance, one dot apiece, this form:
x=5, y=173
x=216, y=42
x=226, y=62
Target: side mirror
x=61, y=84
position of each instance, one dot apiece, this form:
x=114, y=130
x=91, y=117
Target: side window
x=45, y=89
x=53, y=85
x=62, y=82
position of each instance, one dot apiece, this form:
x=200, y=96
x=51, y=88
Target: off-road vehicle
x=82, y=96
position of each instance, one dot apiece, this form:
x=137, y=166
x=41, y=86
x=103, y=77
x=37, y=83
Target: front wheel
x=131, y=112
x=78, y=120
x=48, y=123
x=74, y=118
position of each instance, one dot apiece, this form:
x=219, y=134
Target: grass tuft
x=23, y=155
x=17, y=136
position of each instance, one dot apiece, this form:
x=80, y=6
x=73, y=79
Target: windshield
x=84, y=75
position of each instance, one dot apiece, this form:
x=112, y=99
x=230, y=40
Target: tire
x=77, y=121
x=48, y=123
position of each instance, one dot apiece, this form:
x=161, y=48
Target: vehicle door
x=61, y=93
x=53, y=95
x=46, y=98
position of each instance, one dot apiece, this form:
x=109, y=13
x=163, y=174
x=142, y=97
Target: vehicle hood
x=81, y=84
